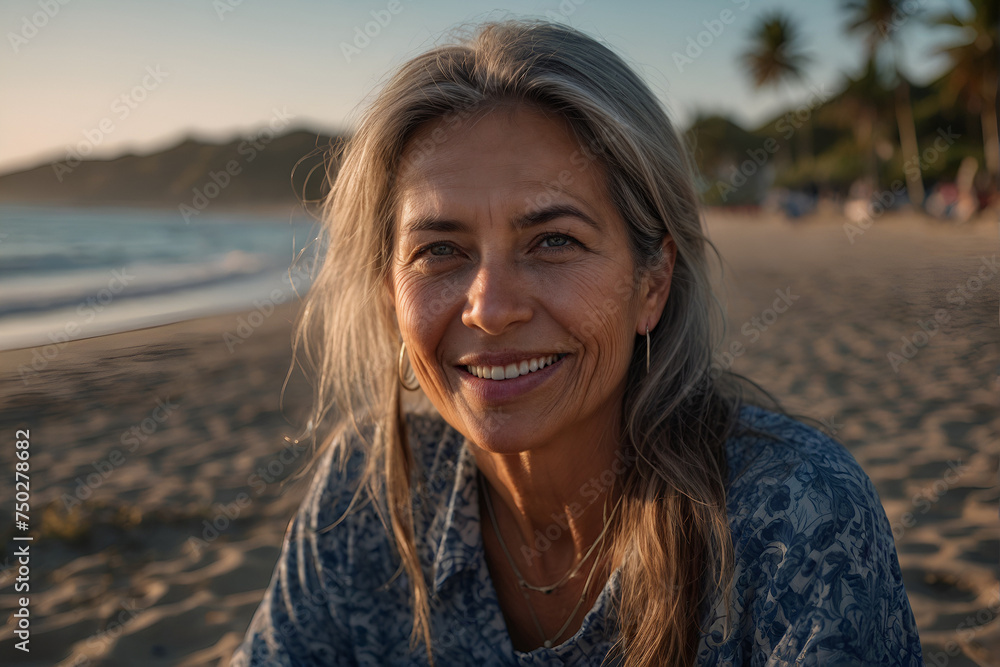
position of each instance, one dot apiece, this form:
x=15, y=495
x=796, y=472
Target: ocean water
x=72, y=273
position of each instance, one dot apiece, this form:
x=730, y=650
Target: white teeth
x=512, y=370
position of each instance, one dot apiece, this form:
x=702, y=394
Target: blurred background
x=160, y=165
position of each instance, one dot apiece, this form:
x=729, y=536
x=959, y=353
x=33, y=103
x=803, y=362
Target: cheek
x=423, y=309
x=599, y=311
x=609, y=338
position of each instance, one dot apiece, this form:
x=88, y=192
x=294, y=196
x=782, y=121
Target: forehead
x=512, y=155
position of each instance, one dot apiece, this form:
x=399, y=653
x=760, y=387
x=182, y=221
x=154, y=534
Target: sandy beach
x=174, y=447
x=158, y=457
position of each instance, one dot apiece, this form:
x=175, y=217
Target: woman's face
x=513, y=283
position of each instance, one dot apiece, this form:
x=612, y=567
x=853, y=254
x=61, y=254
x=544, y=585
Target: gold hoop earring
x=407, y=379
x=647, y=350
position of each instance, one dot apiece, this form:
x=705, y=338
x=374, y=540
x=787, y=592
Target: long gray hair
x=671, y=535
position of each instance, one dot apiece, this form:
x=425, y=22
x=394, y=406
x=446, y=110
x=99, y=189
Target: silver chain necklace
x=546, y=641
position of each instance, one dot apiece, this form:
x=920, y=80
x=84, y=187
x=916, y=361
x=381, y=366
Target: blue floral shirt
x=817, y=581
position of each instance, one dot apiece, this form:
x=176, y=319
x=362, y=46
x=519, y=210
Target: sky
x=107, y=77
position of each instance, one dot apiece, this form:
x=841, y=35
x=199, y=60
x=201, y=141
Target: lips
x=476, y=374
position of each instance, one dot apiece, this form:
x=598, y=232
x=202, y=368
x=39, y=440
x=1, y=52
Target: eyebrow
x=525, y=221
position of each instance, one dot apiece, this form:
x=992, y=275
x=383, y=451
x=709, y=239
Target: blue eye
x=557, y=241
x=440, y=249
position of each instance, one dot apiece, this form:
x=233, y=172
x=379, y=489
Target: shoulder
x=777, y=463
x=816, y=573
x=790, y=483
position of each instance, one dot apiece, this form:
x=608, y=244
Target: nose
x=497, y=299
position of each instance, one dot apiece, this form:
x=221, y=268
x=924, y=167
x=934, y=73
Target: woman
x=514, y=231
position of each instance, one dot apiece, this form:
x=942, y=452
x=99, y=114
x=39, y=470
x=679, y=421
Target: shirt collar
x=460, y=548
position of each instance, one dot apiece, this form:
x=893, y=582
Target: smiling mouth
x=511, y=371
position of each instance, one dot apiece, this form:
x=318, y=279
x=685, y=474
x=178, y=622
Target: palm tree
x=775, y=56
x=878, y=21
x=975, y=71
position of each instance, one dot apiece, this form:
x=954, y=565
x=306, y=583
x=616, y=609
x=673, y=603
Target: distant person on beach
x=514, y=233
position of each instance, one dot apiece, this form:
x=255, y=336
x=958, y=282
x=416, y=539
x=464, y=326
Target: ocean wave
x=34, y=293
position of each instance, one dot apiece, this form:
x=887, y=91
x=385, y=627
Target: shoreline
x=197, y=325
x=59, y=339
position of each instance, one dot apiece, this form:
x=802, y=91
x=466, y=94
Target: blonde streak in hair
x=650, y=533
x=398, y=463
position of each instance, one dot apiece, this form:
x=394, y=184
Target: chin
x=494, y=433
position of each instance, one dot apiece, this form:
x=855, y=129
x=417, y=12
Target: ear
x=656, y=288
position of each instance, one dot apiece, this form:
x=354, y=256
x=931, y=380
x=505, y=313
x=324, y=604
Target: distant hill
x=193, y=173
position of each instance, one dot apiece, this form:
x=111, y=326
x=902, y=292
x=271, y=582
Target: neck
x=550, y=503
